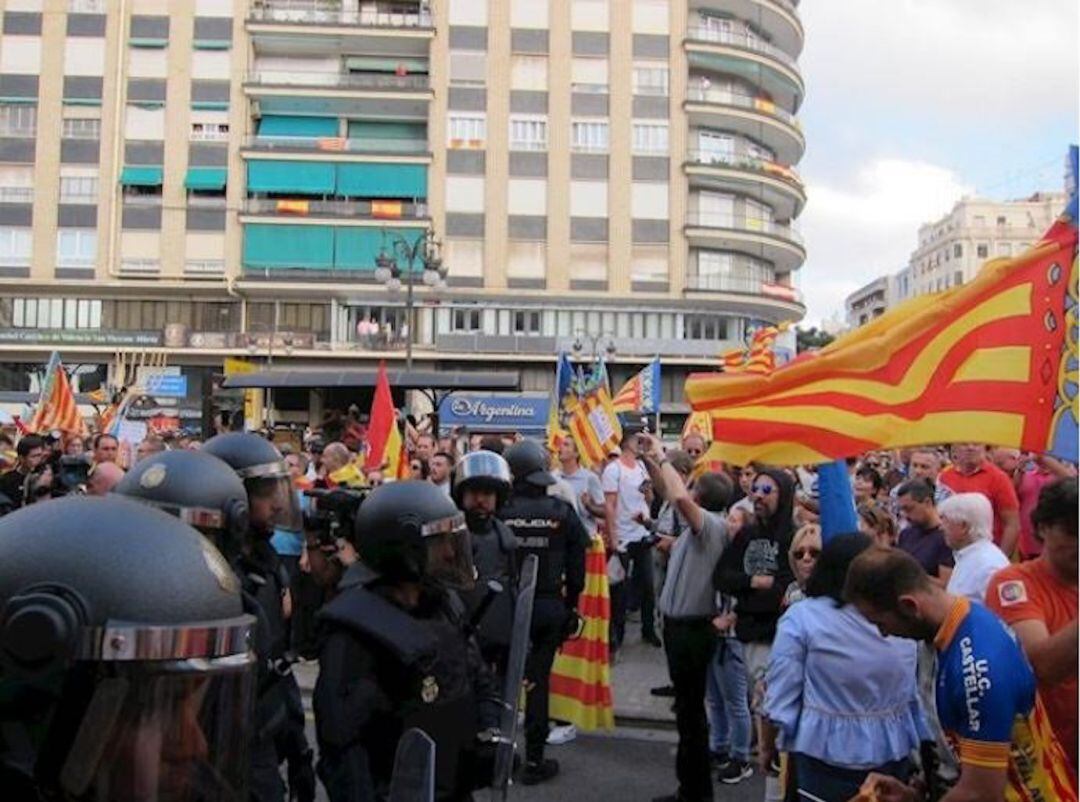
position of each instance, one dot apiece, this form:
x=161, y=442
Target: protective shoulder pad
x=507, y=541
x=370, y=615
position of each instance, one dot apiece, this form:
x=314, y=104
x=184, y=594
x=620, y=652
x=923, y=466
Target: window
x=756, y=151
x=958, y=278
x=982, y=250
x=704, y=327
x=1001, y=220
x=209, y=132
x=81, y=128
x=528, y=133
x=589, y=75
x=526, y=322
x=650, y=138
x=15, y=246
x=466, y=320
x=466, y=131
x=56, y=313
x=467, y=68
x=18, y=119
x=78, y=188
x=16, y=183
x=76, y=247
x=589, y=136
x=651, y=81
x=528, y=72
x=957, y=250
x=1003, y=249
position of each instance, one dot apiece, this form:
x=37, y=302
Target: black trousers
x=637, y=592
x=690, y=644
x=546, y=635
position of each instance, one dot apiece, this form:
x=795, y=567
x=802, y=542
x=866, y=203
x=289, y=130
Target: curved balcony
x=748, y=57
x=778, y=244
x=748, y=296
x=756, y=118
x=404, y=97
x=773, y=184
x=777, y=19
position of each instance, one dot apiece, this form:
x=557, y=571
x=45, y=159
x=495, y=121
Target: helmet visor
x=449, y=553
x=273, y=503
x=163, y=731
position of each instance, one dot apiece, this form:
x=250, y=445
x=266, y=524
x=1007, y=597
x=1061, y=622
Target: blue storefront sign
x=166, y=385
x=495, y=412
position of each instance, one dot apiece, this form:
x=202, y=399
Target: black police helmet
x=482, y=470
x=242, y=450
x=266, y=478
x=196, y=487
x=529, y=462
x=391, y=525
x=80, y=562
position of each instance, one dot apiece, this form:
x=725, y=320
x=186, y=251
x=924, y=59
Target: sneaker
x=663, y=690
x=734, y=771
x=536, y=773
x=563, y=734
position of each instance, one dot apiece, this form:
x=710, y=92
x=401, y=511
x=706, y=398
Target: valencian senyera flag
x=57, y=409
x=759, y=356
x=591, y=420
x=641, y=393
x=992, y=361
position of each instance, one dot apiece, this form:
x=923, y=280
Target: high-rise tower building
x=218, y=177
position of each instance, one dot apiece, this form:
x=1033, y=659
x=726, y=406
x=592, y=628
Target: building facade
x=218, y=177
x=869, y=301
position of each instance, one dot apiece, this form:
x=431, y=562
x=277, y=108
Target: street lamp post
x=594, y=340
x=425, y=248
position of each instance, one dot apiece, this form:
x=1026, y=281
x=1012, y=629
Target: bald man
x=103, y=478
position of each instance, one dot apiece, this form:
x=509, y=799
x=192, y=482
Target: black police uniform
x=385, y=669
x=494, y=549
x=549, y=528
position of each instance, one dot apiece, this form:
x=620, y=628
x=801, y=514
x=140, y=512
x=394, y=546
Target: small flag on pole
x=57, y=408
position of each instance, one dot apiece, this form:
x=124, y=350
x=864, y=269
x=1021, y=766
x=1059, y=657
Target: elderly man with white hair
x=968, y=522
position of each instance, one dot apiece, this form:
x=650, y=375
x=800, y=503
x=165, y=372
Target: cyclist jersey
x=989, y=709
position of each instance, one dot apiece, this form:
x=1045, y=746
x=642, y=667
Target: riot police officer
x=125, y=666
x=549, y=528
x=272, y=504
x=395, y=654
x=482, y=484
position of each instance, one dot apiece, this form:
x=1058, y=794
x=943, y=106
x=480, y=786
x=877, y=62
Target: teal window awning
x=206, y=178
x=288, y=247
x=356, y=247
x=301, y=177
x=378, y=180
x=148, y=42
x=284, y=125
x=212, y=44
x=142, y=176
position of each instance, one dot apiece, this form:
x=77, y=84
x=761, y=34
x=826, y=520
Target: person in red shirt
x=1038, y=599
x=972, y=472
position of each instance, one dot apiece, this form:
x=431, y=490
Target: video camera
x=69, y=475
x=332, y=512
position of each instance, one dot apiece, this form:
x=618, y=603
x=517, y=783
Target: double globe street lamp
x=427, y=250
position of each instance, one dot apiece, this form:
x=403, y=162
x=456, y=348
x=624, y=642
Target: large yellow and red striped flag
x=580, y=690
x=759, y=357
x=56, y=405
x=993, y=361
x=593, y=424
x=386, y=448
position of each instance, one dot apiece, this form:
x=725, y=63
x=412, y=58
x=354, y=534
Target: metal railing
x=742, y=41
x=140, y=267
x=337, y=144
x=743, y=285
x=744, y=223
x=16, y=194
x=376, y=210
x=86, y=6
x=195, y=201
x=725, y=97
x=76, y=261
x=589, y=89
x=204, y=267
x=339, y=80
x=752, y=163
x=316, y=13
x=18, y=131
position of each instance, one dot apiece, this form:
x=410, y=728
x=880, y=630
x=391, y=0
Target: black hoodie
x=761, y=547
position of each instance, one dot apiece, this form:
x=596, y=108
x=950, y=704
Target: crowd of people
x=929, y=654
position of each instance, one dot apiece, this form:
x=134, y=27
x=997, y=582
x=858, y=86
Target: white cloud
x=986, y=58
x=858, y=229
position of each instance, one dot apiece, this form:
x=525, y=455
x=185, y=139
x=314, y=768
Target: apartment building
x=869, y=301
x=216, y=178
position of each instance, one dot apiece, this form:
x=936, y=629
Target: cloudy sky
x=912, y=104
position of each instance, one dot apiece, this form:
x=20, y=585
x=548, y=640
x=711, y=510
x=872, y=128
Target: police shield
x=515, y=673
x=414, y=769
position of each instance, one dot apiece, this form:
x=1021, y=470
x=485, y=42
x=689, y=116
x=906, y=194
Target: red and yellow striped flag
x=580, y=690
x=56, y=407
x=759, y=357
x=594, y=425
x=992, y=361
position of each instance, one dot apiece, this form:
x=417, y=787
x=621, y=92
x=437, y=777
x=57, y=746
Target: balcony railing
x=744, y=223
x=140, y=267
x=84, y=262
x=204, y=267
x=743, y=285
x=316, y=13
x=16, y=194
x=336, y=144
x=339, y=80
x=375, y=210
x=742, y=41
x=725, y=97
x=712, y=157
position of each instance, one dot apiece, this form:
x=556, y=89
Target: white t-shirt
x=618, y=478
x=975, y=565
x=584, y=481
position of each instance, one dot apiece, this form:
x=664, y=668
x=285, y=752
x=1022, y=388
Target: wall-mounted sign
x=495, y=412
x=79, y=337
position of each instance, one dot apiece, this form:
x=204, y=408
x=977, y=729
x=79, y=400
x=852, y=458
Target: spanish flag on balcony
x=581, y=675
x=993, y=361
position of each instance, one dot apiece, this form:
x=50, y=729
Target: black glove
x=572, y=626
